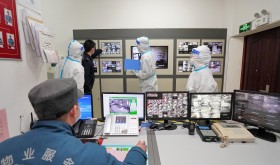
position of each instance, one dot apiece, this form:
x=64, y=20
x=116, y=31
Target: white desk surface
x=177, y=147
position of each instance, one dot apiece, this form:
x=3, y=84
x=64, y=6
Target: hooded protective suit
x=147, y=74
x=201, y=79
x=71, y=67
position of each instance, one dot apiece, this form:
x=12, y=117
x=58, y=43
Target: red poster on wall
x=9, y=36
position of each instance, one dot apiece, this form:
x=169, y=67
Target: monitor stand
x=263, y=134
x=204, y=123
x=168, y=125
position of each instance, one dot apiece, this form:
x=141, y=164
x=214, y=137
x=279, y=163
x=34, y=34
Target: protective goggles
x=195, y=52
x=138, y=42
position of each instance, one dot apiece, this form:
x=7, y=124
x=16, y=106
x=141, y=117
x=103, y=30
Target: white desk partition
x=179, y=148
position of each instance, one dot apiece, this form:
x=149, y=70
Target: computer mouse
x=153, y=126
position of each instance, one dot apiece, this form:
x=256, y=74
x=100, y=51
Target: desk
x=179, y=148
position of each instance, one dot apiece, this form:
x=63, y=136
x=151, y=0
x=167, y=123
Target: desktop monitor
x=210, y=106
x=167, y=106
x=123, y=103
x=258, y=109
x=86, y=108
x=160, y=55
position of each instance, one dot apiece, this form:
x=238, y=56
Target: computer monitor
x=210, y=106
x=123, y=103
x=167, y=105
x=86, y=107
x=258, y=109
x=160, y=55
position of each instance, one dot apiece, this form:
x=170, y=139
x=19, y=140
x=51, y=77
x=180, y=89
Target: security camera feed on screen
x=215, y=66
x=184, y=66
x=258, y=109
x=215, y=47
x=211, y=105
x=186, y=47
x=167, y=105
x=85, y=104
x=123, y=103
x=160, y=55
x=111, y=48
x=95, y=66
x=111, y=66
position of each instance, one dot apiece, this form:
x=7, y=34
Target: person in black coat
x=89, y=54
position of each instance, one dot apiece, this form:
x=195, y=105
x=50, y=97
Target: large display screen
x=185, y=47
x=111, y=66
x=160, y=55
x=215, y=47
x=257, y=109
x=86, y=108
x=167, y=105
x=211, y=106
x=111, y=48
x=123, y=103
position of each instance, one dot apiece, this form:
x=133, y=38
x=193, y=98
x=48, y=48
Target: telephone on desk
x=232, y=132
x=85, y=128
x=121, y=124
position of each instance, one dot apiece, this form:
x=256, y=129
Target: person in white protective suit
x=147, y=74
x=71, y=66
x=201, y=78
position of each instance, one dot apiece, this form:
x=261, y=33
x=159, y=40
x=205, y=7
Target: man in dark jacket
x=89, y=54
x=52, y=139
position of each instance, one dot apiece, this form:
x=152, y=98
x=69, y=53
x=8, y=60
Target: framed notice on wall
x=9, y=36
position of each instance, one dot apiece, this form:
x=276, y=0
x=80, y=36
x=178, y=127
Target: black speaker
x=191, y=128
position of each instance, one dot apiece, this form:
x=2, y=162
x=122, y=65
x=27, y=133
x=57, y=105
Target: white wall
x=238, y=12
x=16, y=79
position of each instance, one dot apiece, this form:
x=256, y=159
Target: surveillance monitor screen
x=216, y=106
x=160, y=55
x=111, y=48
x=111, y=66
x=184, y=66
x=215, y=66
x=258, y=109
x=95, y=66
x=86, y=108
x=123, y=103
x=215, y=47
x=186, y=47
x=167, y=105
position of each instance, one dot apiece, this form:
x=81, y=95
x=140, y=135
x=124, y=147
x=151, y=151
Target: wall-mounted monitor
x=95, y=63
x=123, y=103
x=210, y=106
x=160, y=55
x=258, y=109
x=111, y=66
x=216, y=65
x=111, y=48
x=183, y=66
x=185, y=46
x=216, y=47
x=167, y=105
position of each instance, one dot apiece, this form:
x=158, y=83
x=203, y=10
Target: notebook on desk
x=86, y=125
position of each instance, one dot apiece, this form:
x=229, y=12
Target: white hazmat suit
x=201, y=78
x=147, y=74
x=71, y=67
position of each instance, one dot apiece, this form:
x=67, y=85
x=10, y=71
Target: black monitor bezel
x=130, y=93
x=89, y=94
x=249, y=123
x=167, y=118
x=210, y=93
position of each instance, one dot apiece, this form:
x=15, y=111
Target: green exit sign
x=245, y=27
